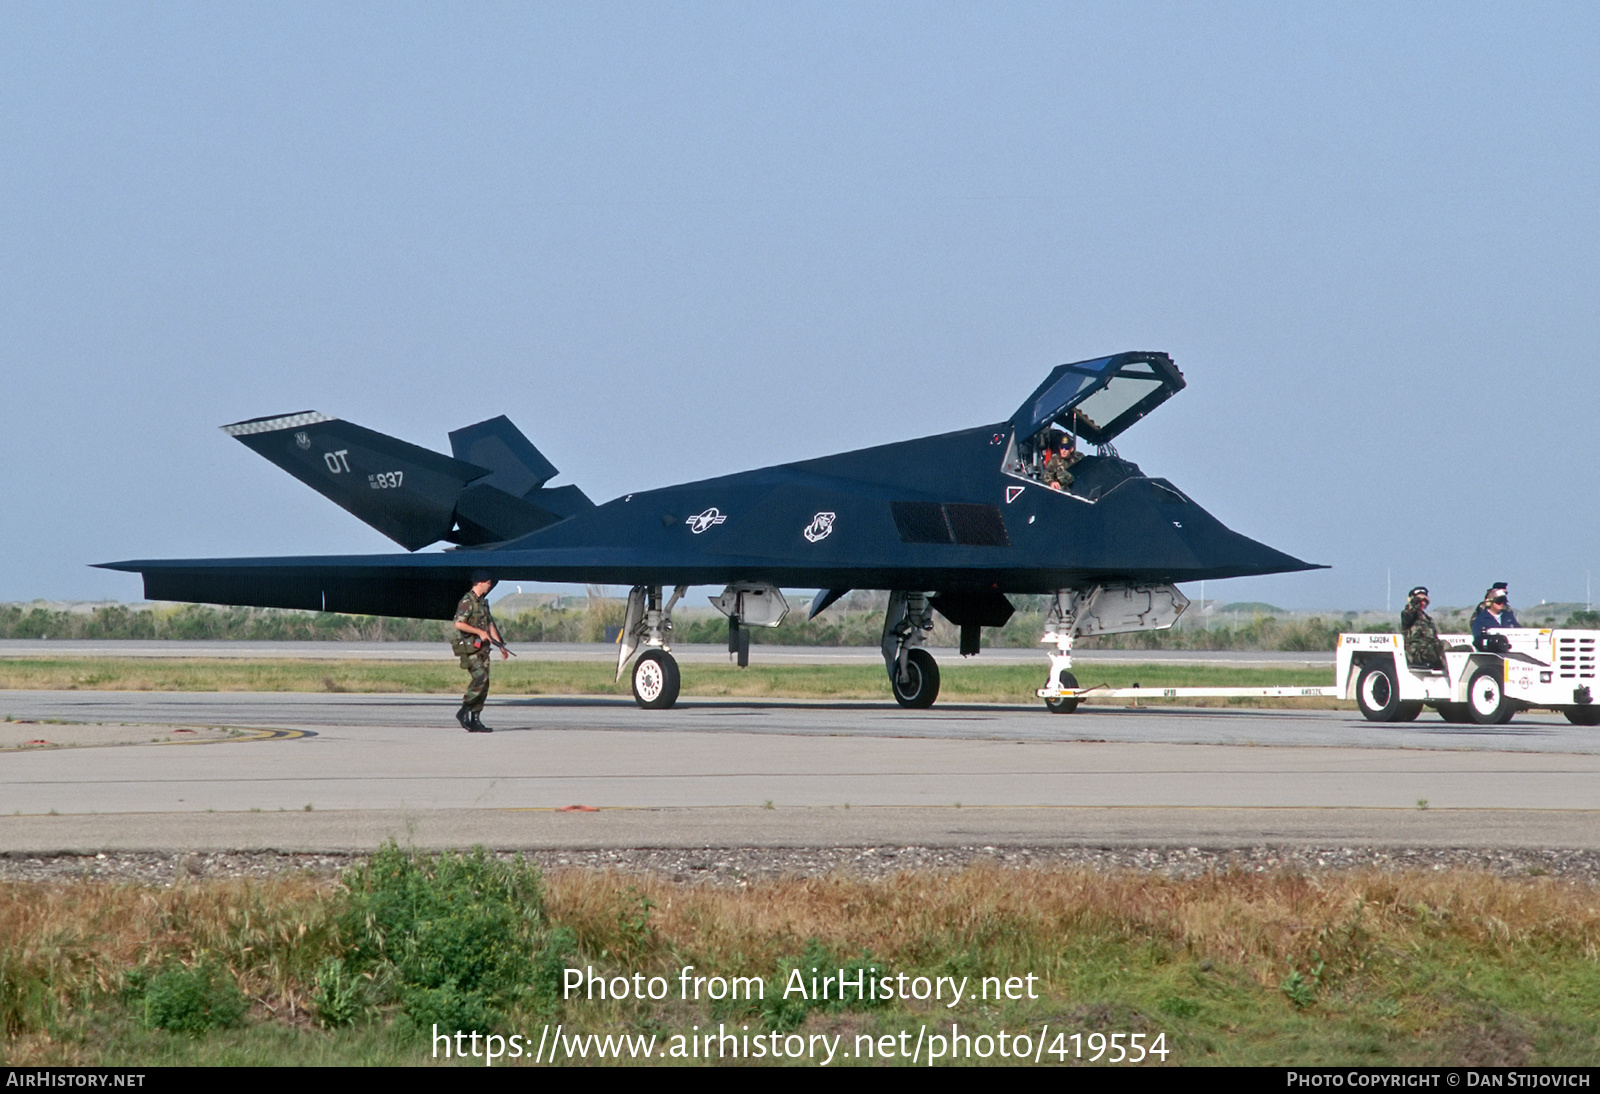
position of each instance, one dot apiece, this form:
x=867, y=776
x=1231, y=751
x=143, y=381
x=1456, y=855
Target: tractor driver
x=1496, y=612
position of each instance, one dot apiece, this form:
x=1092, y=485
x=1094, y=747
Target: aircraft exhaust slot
x=921, y=522
x=977, y=525
x=950, y=523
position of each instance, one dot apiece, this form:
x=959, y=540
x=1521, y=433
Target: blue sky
x=676, y=240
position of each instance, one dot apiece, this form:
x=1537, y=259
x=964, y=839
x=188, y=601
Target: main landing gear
x=648, y=622
x=913, y=673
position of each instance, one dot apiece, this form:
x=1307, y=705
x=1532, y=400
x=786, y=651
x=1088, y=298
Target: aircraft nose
x=1215, y=551
x=1222, y=552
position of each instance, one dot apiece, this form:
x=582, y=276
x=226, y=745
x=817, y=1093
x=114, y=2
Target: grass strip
x=969, y=682
x=1233, y=968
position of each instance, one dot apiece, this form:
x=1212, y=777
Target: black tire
x=1487, y=704
x=1454, y=713
x=1063, y=706
x=1583, y=716
x=922, y=681
x=1378, y=692
x=655, y=680
x=1408, y=711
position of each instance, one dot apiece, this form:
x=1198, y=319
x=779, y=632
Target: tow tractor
x=1551, y=669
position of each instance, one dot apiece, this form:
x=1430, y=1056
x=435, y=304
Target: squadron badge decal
x=819, y=528
x=302, y=440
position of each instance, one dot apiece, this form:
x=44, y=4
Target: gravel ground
x=738, y=866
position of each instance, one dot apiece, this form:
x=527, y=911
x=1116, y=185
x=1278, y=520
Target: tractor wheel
x=1378, y=692
x=1487, y=704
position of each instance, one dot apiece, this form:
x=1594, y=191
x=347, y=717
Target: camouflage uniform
x=1056, y=468
x=1423, y=647
x=474, y=611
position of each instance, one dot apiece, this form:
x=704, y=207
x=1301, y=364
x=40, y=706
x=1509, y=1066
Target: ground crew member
x=1423, y=648
x=475, y=638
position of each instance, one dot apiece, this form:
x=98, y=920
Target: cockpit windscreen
x=1098, y=399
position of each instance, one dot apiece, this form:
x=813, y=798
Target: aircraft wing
x=785, y=527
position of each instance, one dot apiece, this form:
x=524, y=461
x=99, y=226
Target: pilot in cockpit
x=1057, y=473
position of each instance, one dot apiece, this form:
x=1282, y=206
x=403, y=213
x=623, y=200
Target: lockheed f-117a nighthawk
x=954, y=524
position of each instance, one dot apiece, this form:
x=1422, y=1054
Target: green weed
x=340, y=997
x=454, y=935
x=783, y=1009
x=192, y=999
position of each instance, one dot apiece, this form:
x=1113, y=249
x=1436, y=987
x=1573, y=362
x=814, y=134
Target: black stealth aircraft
x=950, y=524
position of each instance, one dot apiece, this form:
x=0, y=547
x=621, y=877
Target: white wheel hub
x=649, y=680
x=1486, y=696
x=1377, y=691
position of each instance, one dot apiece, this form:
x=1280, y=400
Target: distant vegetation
x=194, y=622
x=855, y=621
x=198, y=621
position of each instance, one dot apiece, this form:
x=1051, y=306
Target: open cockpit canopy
x=1098, y=399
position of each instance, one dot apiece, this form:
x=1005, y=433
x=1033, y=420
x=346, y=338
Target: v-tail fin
x=411, y=494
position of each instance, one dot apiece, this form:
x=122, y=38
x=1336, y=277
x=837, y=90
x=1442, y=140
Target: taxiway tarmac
x=344, y=772
x=1316, y=663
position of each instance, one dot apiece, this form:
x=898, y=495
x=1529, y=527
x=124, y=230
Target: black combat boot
x=464, y=716
x=477, y=725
